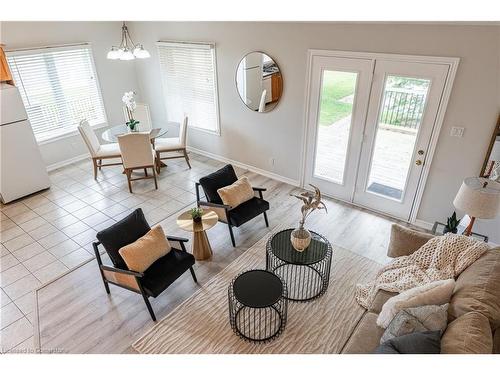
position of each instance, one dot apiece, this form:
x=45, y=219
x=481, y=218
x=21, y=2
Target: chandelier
x=127, y=50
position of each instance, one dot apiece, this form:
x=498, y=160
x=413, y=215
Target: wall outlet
x=457, y=131
x=271, y=162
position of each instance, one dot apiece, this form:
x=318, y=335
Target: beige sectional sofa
x=474, y=310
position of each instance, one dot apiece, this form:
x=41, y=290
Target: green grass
x=336, y=85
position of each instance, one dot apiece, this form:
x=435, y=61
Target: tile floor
x=47, y=234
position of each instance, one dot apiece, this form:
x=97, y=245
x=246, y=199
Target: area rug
x=200, y=325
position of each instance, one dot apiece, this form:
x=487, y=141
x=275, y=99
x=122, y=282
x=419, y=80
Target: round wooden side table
x=201, y=246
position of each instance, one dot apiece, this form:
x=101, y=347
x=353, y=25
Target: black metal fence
x=402, y=108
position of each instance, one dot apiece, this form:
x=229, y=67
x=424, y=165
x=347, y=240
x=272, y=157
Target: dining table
x=112, y=134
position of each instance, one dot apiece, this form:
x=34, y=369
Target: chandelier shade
x=128, y=50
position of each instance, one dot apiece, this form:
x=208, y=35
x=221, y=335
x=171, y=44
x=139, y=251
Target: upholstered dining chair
x=142, y=115
x=170, y=145
x=137, y=153
x=97, y=151
x=157, y=277
x=233, y=217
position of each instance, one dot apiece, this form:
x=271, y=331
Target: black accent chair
x=233, y=217
x=157, y=277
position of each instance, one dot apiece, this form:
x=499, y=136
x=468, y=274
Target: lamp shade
x=495, y=151
x=477, y=199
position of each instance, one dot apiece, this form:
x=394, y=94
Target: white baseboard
x=251, y=168
x=66, y=162
x=423, y=224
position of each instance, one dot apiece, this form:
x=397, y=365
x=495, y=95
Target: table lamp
x=479, y=197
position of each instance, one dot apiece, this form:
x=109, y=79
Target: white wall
x=114, y=77
x=254, y=138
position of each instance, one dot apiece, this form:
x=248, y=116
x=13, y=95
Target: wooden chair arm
x=177, y=239
x=120, y=271
x=216, y=205
x=258, y=188
x=181, y=241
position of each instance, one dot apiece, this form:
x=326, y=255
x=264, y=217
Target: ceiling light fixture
x=127, y=50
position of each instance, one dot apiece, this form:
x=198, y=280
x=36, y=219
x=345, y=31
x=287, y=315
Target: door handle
x=420, y=152
x=418, y=162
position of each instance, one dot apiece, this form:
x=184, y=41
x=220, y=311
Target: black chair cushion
x=122, y=233
x=165, y=271
x=214, y=181
x=247, y=211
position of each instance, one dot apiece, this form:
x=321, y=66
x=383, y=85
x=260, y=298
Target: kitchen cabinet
x=5, y=75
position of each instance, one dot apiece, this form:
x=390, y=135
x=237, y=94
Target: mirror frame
x=236, y=81
x=496, y=133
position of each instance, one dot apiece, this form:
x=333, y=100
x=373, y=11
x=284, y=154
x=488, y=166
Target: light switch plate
x=457, y=131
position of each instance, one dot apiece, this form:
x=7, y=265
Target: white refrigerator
x=22, y=170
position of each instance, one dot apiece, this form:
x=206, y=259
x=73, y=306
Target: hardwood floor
x=75, y=315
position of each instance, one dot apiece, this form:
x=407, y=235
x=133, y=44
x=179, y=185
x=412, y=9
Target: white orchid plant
x=129, y=100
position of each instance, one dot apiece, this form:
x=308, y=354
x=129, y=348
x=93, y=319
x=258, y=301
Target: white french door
x=337, y=122
x=370, y=123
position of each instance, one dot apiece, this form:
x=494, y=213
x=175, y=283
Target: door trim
x=451, y=62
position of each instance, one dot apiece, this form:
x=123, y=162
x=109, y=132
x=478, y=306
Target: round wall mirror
x=259, y=82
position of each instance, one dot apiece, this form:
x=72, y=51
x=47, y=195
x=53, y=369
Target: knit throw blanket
x=442, y=257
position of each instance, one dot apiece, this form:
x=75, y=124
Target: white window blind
x=188, y=73
x=59, y=88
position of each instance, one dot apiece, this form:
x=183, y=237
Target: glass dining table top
x=111, y=135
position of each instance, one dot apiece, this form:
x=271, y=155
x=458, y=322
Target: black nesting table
x=306, y=274
x=257, y=305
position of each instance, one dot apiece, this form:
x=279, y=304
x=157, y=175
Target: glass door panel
x=338, y=100
x=400, y=116
x=334, y=124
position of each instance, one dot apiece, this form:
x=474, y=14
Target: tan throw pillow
x=141, y=254
x=405, y=241
x=237, y=193
x=468, y=334
x=478, y=289
x=435, y=293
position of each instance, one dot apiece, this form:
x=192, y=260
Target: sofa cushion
x=236, y=193
x=366, y=336
x=435, y=293
x=417, y=319
x=380, y=299
x=216, y=180
x=405, y=241
x=142, y=253
x=478, y=289
x=414, y=343
x=468, y=334
x=122, y=233
x=247, y=211
x=165, y=271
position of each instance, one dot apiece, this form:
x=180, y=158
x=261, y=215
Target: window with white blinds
x=189, y=78
x=59, y=88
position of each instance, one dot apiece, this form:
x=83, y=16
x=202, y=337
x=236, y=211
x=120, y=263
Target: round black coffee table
x=306, y=273
x=257, y=305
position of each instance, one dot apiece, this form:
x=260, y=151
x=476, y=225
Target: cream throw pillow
x=141, y=254
x=237, y=193
x=435, y=293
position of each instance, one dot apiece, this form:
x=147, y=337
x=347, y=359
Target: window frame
x=213, y=50
x=62, y=47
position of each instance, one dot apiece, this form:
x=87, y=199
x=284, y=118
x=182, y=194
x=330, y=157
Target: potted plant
x=451, y=224
x=301, y=237
x=196, y=214
x=129, y=100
